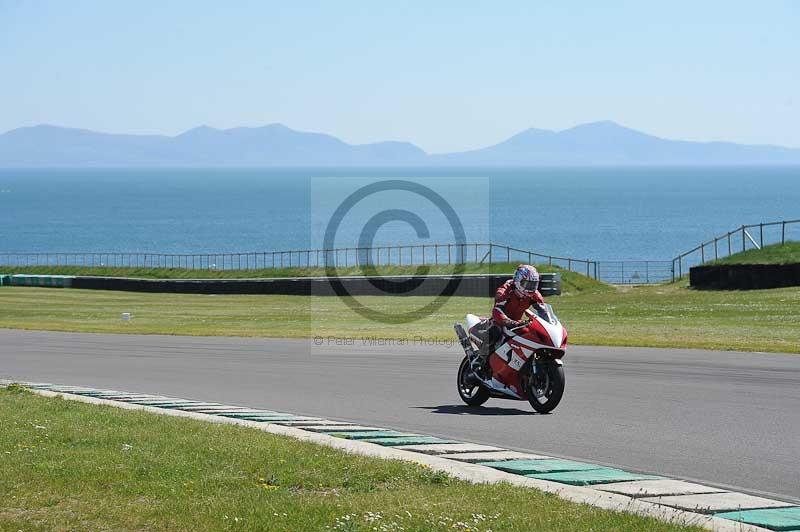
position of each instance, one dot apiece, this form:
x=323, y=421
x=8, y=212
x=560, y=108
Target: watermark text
x=378, y=341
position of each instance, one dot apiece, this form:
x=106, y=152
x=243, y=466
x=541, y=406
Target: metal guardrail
x=635, y=271
x=753, y=236
x=421, y=254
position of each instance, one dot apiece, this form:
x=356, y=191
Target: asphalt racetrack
x=730, y=419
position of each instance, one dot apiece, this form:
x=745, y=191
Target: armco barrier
x=744, y=276
x=469, y=285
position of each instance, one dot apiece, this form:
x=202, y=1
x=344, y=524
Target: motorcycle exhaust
x=472, y=356
x=463, y=338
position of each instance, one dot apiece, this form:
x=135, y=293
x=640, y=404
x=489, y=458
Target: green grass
x=658, y=316
x=72, y=466
x=570, y=281
x=787, y=253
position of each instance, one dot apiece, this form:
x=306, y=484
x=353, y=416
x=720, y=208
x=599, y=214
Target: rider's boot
x=479, y=362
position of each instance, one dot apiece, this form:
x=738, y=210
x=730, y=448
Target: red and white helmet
x=526, y=280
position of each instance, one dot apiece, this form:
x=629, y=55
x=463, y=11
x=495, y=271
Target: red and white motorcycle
x=524, y=365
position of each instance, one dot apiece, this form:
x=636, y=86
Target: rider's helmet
x=526, y=280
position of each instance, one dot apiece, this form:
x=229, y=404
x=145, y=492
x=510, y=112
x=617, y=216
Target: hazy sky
x=444, y=75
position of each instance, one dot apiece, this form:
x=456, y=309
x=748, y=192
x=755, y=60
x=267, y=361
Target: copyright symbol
x=366, y=240
x=318, y=340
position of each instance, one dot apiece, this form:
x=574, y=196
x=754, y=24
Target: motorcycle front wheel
x=471, y=392
x=545, y=387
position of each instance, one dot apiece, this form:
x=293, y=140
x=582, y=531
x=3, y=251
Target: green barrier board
x=594, y=476
x=53, y=281
x=771, y=518
x=524, y=467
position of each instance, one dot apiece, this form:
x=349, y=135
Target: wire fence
x=411, y=255
x=746, y=237
x=635, y=271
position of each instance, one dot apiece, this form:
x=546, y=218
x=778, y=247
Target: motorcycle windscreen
x=545, y=311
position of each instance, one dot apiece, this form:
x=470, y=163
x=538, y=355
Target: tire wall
x=467, y=285
x=744, y=276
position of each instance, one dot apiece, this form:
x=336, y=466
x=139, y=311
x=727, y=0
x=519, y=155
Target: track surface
x=731, y=419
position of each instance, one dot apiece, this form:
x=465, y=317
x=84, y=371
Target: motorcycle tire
x=472, y=394
x=552, y=391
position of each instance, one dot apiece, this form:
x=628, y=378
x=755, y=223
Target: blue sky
x=444, y=75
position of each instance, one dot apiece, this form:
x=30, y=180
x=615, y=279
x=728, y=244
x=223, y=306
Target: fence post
x=508, y=254
x=729, y=243
x=716, y=255
x=702, y=253
x=761, y=233
x=783, y=233
x=490, y=253
x=743, y=241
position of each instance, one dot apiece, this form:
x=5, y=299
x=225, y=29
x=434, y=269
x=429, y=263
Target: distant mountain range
x=275, y=145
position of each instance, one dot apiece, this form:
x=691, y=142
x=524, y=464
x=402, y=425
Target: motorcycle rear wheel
x=545, y=388
x=472, y=393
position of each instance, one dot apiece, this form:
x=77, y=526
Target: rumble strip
x=613, y=489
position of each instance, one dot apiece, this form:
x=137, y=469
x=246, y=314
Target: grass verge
x=72, y=466
x=788, y=253
x=656, y=316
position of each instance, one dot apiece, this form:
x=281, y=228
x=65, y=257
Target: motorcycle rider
x=511, y=302
x=515, y=296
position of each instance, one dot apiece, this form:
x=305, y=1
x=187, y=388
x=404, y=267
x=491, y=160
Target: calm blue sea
x=598, y=213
